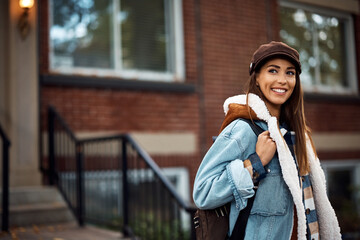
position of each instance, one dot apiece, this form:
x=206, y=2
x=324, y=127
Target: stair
x=37, y=206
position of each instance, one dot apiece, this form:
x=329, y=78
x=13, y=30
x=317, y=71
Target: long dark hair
x=292, y=113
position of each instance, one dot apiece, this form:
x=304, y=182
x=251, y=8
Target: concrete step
x=34, y=195
x=37, y=205
x=63, y=232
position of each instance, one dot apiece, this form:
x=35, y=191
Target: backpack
x=213, y=224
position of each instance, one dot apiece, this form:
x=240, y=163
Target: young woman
x=291, y=200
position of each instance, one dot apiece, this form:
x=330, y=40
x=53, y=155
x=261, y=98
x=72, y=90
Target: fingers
x=266, y=136
x=265, y=147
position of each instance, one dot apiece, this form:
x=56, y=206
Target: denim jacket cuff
x=258, y=169
x=240, y=182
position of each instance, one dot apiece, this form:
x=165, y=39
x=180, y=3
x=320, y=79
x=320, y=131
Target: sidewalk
x=60, y=232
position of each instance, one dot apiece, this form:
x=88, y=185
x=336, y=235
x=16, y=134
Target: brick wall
x=90, y=109
x=231, y=31
x=100, y=109
x=217, y=66
x=225, y=63
x=333, y=116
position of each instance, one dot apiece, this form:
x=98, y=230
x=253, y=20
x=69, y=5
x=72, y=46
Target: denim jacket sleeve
x=221, y=177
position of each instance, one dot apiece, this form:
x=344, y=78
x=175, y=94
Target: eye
x=272, y=70
x=291, y=73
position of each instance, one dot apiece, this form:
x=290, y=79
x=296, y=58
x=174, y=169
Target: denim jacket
x=222, y=178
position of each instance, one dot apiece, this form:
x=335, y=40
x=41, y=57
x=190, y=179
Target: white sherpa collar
x=329, y=227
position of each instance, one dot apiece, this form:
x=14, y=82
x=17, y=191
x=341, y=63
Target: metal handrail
x=52, y=110
x=126, y=139
x=186, y=205
x=5, y=187
x=3, y=135
x=151, y=163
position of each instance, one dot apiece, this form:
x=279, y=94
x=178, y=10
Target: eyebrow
x=276, y=66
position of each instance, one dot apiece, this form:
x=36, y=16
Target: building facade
x=161, y=71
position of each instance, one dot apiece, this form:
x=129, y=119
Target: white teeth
x=278, y=90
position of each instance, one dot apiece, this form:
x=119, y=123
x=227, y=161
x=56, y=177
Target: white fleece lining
x=328, y=224
x=329, y=227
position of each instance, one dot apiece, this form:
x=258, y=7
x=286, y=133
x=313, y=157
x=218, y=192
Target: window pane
x=81, y=33
x=342, y=195
x=339, y=187
x=144, y=35
x=331, y=52
x=320, y=41
x=131, y=39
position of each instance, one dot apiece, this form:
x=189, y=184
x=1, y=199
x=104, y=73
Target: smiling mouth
x=278, y=90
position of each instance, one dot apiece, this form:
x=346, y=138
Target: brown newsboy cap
x=274, y=49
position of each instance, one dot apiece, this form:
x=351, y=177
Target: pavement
x=68, y=231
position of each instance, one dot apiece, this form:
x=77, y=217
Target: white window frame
x=352, y=164
x=178, y=74
x=182, y=186
x=350, y=67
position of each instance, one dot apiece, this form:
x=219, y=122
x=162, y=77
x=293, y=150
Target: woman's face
x=276, y=79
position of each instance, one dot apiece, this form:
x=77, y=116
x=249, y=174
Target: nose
x=282, y=79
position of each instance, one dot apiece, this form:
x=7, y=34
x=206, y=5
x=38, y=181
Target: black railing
x=113, y=182
x=5, y=181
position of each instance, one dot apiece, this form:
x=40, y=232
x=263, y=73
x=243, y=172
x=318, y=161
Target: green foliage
x=148, y=226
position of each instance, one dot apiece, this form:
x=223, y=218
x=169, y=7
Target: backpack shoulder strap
x=256, y=129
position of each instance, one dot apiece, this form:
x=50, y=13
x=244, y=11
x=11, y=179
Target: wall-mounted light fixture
x=23, y=24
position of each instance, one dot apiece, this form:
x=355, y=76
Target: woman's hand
x=265, y=147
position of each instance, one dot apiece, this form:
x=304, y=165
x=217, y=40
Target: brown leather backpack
x=213, y=224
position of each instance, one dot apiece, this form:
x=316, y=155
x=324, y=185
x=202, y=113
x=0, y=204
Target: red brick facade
x=219, y=38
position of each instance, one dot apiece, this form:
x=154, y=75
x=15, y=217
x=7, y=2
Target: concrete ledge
x=332, y=141
x=164, y=143
x=155, y=143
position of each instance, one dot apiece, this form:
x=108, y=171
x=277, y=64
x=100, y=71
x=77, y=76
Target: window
x=343, y=182
x=131, y=39
x=325, y=41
